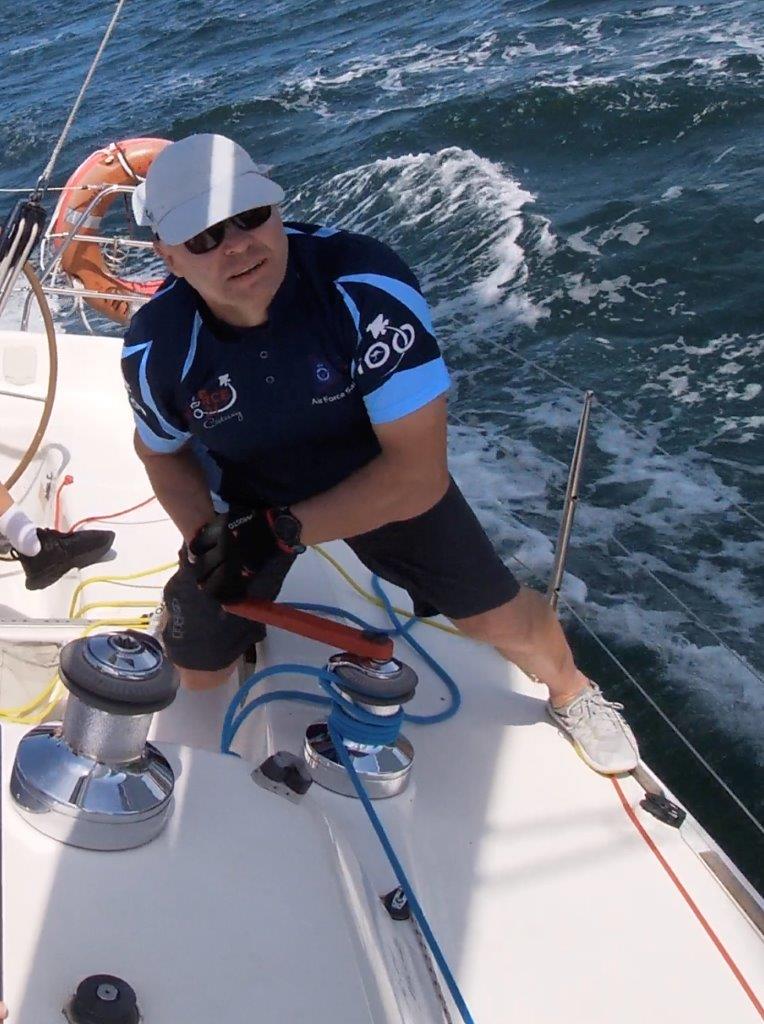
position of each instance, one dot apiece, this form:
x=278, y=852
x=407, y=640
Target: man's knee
x=200, y=679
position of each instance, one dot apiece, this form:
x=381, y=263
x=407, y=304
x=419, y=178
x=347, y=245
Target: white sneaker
x=599, y=733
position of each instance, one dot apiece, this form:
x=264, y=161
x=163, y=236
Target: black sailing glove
x=226, y=553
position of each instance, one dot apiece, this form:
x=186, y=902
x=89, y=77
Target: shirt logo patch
x=209, y=404
x=326, y=377
x=329, y=383
x=388, y=343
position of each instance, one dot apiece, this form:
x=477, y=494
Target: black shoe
x=61, y=552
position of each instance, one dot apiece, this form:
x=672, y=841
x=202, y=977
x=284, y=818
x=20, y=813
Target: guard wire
x=696, y=618
x=646, y=569
x=51, y=188
x=630, y=426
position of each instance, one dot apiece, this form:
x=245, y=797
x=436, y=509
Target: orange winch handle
x=346, y=638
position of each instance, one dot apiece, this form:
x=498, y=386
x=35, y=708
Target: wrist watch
x=287, y=529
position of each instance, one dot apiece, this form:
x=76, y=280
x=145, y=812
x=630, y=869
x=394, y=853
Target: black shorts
x=443, y=558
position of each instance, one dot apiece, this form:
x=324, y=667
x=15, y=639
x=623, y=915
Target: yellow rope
x=109, y=579
x=31, y=713
x=172, y=565
x=23, y=709
x=34, y=718
x=375, y=600
x=112, y=604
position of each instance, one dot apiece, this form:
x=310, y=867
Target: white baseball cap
x=196, y=182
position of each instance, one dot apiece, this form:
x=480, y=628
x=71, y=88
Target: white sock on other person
x=20, y=531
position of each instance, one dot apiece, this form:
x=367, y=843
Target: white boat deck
x=548, y=901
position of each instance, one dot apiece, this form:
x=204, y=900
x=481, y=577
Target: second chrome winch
x=94, y=781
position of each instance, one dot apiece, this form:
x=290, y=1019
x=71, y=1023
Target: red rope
x=689, y=900
x=111, y=515
x=57, y=511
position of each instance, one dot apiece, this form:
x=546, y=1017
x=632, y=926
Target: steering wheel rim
x=50, y=331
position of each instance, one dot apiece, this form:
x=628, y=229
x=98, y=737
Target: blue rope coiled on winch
x=347, y=721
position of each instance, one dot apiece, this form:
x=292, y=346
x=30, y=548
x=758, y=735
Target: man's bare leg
x=195, y=679
x=526, y=631
x=5, y=503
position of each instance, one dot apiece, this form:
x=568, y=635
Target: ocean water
x=579, y=187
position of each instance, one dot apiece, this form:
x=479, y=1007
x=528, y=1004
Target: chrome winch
x=379, y=689
x=93, y=781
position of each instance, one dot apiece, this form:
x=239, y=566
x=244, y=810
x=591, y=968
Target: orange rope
x=57, y=513
x=111, y=515
x=689, y=900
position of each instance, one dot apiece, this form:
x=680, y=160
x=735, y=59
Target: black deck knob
x=103, y=999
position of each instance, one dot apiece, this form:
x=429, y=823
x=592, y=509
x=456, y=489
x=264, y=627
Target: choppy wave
x=418, y=202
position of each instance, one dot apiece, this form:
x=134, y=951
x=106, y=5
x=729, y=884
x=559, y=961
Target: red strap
x=335, y=634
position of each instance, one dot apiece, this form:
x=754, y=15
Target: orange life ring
x=119, y=163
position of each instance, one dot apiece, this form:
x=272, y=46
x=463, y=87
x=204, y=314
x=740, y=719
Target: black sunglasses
x=212, y=236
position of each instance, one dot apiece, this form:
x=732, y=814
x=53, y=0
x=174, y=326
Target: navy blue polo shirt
x=283, y=411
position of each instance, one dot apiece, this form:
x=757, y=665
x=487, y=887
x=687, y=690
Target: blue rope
x=432, y=664
x=348, y=721
x=401, y=629
x=380, y=732
x=230, y=730
x=359, y=725
x=400, y=874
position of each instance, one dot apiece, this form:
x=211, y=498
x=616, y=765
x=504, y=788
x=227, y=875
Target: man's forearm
x=377, y=494
x=181, y=489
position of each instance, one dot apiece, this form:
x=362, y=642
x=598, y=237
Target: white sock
x=20, y=531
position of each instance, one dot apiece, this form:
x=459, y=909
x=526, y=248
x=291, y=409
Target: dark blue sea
x=579, y=187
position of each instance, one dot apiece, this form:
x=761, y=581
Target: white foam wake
x=458, y=214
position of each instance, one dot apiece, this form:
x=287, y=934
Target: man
x=46, y=555
x=291, y=372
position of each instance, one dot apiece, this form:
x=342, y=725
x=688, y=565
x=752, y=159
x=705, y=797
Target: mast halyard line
x=42, y=184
